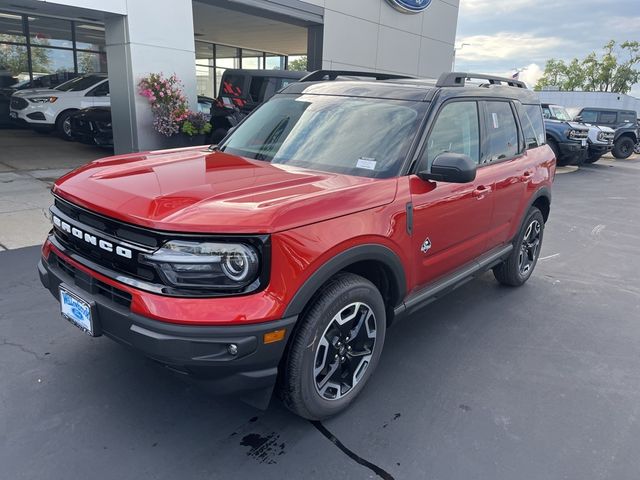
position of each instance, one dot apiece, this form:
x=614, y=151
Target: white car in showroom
x=49, y=109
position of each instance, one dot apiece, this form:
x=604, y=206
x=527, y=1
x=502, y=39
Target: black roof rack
x=457, y=79
x=321, y=75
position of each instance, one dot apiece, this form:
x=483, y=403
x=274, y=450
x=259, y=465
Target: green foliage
x=195, y=124
x=14, y=57
x=298, y=65
x=614, y=71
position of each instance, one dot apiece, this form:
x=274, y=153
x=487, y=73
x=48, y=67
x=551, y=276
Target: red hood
x=194, y=190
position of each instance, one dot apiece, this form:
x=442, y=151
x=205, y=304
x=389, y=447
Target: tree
x=298, y=65
x=615, y=71
x=14, y=57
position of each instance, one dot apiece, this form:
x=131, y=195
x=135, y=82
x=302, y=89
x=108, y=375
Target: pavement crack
x=22, y=348
x=380, y=472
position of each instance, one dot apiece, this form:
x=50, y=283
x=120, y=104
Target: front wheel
x=335, y=349
x=623, y=147
x=63, y=125
x=561, y=162
x=636, y=148
x=518, y=267
x=593, y=158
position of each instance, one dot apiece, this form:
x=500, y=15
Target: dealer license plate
x=76, y=310
x=584, y=143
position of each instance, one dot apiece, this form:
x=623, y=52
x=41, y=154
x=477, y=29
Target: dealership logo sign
x=410, y=6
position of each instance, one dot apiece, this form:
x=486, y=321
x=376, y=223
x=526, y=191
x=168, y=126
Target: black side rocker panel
x=441, y=287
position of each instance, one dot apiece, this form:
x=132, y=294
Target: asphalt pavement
x=540, y=382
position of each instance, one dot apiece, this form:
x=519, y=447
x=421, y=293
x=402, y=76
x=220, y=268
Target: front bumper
x=599, y=149
x=571, y=152
x=199, y=351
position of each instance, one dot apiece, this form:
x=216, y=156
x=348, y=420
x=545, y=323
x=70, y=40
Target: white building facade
x=412, y=37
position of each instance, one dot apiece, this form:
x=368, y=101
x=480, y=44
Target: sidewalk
x=29, y=164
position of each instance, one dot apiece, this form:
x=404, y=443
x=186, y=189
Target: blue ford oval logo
x=410, y=6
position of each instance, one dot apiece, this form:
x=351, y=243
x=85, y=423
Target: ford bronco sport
x=280, y=257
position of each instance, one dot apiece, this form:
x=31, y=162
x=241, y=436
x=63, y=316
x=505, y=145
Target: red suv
x=280, y=257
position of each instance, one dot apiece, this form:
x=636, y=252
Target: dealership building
x=198, y=40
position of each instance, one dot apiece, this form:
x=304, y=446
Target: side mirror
x=578, y=118
x=452, y=168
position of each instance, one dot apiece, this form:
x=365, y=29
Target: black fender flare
x=365, y=252
x=542, y=192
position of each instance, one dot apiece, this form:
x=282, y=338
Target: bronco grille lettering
x=92, y=239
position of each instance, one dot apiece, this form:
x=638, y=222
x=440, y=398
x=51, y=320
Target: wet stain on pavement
x=263, y=448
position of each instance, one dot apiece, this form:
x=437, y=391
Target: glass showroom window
x=35, y=46
x=205, y=69
x=213, y=59
x=14, y=65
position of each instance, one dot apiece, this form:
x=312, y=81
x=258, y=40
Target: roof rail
x=320, y=75
x=457, y=79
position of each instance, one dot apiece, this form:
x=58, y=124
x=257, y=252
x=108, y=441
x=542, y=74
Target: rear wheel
x=623, y=147
x=518, y=267
x=335, y=349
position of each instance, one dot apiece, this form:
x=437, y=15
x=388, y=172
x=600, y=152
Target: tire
x=623, y=148
x=636, y=148
x=556, y=153
x=319, y=348
x=511, y=271
x=63, y=125
x=593, y=158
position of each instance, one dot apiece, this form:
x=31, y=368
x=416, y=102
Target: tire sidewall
x=616, y=150
x=534, y=214
x=60, y=124
x=319, y=407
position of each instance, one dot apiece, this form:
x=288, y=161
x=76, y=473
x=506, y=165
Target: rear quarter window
x=533, y=125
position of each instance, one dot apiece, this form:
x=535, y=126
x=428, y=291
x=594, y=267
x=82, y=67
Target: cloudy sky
x=509, y=34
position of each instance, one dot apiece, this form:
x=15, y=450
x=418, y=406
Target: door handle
x=481, y=191
x=526, y=175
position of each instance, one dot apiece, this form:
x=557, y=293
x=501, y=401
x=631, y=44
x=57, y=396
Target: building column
x=149, y=39
x=315, y=39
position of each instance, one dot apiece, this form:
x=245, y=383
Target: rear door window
x=608, y=118
x=501, y=132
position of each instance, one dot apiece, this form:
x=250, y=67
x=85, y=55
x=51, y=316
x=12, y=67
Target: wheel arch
x=377, y=263
x=66, y=110
x=541, y=199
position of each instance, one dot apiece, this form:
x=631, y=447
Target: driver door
x=451, y=220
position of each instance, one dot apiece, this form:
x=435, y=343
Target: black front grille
x=89, y=283
x=18, y=103
x=107, y=229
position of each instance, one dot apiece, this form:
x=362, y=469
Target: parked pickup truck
x=567, y=139
x=279, y=258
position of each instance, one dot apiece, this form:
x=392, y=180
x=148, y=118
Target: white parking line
x=550, y=256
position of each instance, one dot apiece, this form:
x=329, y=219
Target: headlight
x=601, y=137
x=43, y=99
x=212, y=265
x=575, y=134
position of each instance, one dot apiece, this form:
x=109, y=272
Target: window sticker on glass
x=494, y=116
x=365, y=162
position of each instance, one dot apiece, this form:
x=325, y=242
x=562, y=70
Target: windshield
x=560, y=113
x=355, y=136
x=79, y=84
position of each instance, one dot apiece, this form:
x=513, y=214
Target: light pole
x=455, y=49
